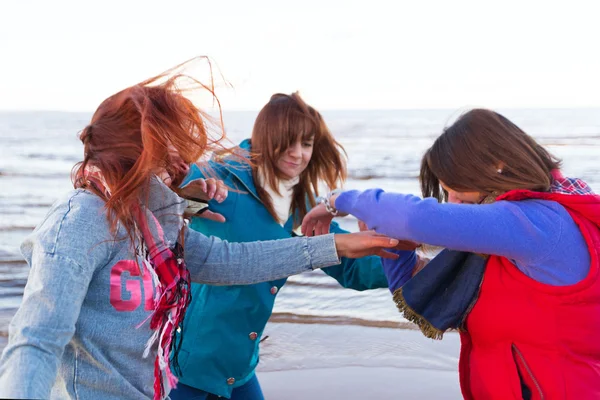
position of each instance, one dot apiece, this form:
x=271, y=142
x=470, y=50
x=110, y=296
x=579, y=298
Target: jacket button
x=253, y=335
x=274, y=290
x=230, y=381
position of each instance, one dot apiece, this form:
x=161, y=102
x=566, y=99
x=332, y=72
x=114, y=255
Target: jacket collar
x=243, y=173
x=241, y=170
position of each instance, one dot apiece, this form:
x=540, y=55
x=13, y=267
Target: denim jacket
x=77, y=333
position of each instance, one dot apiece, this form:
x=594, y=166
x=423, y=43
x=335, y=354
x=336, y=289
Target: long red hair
x=131, y=131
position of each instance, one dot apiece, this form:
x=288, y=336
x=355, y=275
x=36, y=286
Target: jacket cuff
x=322, y=251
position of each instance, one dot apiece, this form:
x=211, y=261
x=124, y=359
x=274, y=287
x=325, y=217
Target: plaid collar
x=564, y=185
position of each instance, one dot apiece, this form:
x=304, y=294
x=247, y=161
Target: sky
x=70, y=55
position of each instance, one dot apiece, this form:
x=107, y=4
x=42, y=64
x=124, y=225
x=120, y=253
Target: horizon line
x=41, y=110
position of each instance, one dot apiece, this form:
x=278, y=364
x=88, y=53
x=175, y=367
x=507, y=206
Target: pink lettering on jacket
x=129, y=297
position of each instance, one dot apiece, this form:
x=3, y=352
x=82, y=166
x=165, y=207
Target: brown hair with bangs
x=278, y=125
x=468, y=154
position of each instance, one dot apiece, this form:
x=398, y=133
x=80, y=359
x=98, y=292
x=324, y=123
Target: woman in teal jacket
x=292, y=152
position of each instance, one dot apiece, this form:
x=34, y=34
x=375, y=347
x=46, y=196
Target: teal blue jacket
x=224, y=324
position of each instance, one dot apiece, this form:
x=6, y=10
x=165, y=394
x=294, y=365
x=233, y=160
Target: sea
x=39, y=148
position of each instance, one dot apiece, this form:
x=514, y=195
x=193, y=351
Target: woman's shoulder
x=539, y=207
x=82, y=207
x=76, y=220
x=76, y=202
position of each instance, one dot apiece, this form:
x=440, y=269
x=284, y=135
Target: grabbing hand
x=361, y=244
x=211, y=215
x=204, y=189
x=316, y=222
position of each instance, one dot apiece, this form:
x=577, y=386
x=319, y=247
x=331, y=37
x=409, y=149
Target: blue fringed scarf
x=441, y=295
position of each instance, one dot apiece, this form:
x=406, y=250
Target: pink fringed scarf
x=171, y=279
x=173, y=295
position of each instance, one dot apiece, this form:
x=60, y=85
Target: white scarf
x=282, y=201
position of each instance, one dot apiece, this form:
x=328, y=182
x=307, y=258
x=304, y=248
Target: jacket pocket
x=530, y=387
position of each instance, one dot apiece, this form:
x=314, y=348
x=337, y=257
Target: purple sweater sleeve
x=539, y=236
x=399, y=271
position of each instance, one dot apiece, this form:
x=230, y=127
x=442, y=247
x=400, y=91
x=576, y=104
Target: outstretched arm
x=526, y=231
x=219, y=262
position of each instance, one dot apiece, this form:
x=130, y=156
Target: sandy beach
x=328, y=361
x=322, y=361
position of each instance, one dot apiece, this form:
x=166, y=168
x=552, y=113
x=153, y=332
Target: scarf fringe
x=426, y=328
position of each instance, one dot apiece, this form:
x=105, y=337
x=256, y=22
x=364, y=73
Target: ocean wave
x=11, y=228
x=283, y=317
x=53, y=157
x=316, y=283
x=12, y=260
x=11, y=287
x=9, y=255
x=37, y=174
x=368, y=174
x=22, y=204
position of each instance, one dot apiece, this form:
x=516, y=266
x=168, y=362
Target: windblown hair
x=469, y=153
x=279, y=124
x=130, y=133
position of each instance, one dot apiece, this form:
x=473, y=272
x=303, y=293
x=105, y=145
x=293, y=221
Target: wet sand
x=314, y=359
x=322, y=361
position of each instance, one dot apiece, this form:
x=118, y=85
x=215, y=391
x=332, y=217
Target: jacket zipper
x=528, y=370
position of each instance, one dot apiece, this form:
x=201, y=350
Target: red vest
x=523, y=333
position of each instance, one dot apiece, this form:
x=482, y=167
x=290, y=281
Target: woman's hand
x=317, y=221
x=204, y=189
x=361, y=244
x=211, y=215
x=362, y=226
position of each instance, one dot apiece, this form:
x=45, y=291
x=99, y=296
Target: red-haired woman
x=109, y=281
